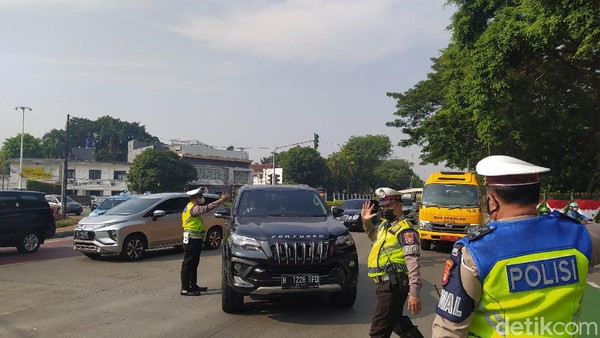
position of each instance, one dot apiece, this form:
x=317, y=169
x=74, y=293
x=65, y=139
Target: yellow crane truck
x=451, y=208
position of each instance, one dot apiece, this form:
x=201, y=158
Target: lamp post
x=23, y=108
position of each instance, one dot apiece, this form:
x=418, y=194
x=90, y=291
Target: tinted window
x=352, y=204
x=407, y=202
x=281, y=203
x=111, y=203
x=171, y=206
x=8, y=202
x=32, y=201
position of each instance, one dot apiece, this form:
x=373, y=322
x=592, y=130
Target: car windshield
x=451, y=195
x=407, y=203
x=352, y=204
x=284, y=203
x=110, y=203
x=133, y=206
x=69, y=199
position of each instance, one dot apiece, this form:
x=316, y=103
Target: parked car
x=26, y=220
x=109, y=203
x=283, y=239
x=350, y=213
x=73, y=207
x=143, y=223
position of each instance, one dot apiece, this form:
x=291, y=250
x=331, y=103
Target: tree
x=518, y=78
x=396, y=174
x=32, y=147
x=303, y=165
x=159, y=171
x=54, y=143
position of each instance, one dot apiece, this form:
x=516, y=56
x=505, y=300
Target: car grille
x=448, y=227
x=308, y=252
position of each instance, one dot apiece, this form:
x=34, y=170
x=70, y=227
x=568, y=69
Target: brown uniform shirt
x=412, y=260
x=470, y=281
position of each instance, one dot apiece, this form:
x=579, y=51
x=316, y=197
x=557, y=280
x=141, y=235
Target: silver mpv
x=146, y=222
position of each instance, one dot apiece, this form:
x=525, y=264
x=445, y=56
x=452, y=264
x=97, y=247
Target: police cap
x=194, y=192
x=500, y=170
x=387, y=195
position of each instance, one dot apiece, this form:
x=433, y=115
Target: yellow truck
x=451, y=208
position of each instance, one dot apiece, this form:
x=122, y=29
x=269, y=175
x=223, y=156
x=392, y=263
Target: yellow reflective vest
x=386, y=253
x=192, y=224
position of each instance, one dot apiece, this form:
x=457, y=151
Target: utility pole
x=23, y=108
x=63, y=193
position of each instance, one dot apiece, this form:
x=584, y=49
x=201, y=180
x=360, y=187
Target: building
x=261, y=174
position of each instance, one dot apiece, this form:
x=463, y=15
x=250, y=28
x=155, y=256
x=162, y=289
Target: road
x=60, y=293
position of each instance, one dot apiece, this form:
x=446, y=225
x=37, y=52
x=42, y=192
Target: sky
x=253, y=74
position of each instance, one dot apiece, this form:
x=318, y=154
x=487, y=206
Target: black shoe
x=198, y=288
x=189, y=293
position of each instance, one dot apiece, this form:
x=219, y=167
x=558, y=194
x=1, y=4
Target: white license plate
x=300, y=281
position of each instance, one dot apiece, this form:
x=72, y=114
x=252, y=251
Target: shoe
x=198, y=288
x=189, y=293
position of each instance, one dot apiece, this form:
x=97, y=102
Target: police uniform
x=393, y=265
x=193, y=239
x=520, y=273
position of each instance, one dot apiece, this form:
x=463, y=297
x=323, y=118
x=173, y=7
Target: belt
x=379, y=279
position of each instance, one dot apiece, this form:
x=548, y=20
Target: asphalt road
x=58, y=292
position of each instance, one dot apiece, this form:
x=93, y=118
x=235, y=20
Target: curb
x=63, y=234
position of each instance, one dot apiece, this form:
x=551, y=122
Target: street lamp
x=23, y=108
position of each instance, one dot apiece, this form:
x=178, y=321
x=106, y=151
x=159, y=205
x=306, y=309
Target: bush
x=61, y=223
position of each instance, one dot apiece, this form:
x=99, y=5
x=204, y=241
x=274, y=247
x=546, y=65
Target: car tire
x=29, y=243
x=134, y=247
x=425, y=244
x=77, y=214
x=344, y=299
x=214, y=238
x=231, y=301
x=93, y=256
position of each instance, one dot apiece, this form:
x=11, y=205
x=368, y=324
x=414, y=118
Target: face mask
x=389, y=215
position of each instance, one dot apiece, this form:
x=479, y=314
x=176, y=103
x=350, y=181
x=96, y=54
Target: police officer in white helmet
x=522, y=268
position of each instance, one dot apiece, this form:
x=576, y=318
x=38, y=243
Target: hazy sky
x=255, y=74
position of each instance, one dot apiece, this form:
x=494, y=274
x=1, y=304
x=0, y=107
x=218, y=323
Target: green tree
x=159, y=171
x=32, y=147
x=343, y=171
x=396, y=174
x=53, y=143
x=303, y=165
x=518, y=78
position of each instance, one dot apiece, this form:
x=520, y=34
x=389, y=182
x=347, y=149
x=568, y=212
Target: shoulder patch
x=559, y=214
x=455, y=304
x=480, y=233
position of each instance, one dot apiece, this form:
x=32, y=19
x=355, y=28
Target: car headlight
x=424, y=225
x=112, y=234
x=100, y=226
x=245, y=242
x=355, y=217
x=344, y=240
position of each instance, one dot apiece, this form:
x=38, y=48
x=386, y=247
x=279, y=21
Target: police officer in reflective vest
x=193, y=238
x=524, y=275
x=393, y=265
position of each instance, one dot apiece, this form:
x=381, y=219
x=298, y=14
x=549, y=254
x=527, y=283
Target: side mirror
x=222, y=213
x=157, y=213
x=337, y=211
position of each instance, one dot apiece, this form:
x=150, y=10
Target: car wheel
x=214, y=237
x=231, y=301
x=344, y=299
x=77, y=214
x=93, y=256
x=134, y=247
x=425, y=244
x=29, y=243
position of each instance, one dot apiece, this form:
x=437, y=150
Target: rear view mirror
x=337, y=211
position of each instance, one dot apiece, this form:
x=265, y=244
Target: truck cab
x=451, y=208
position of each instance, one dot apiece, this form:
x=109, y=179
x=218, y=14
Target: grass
x=61, y=223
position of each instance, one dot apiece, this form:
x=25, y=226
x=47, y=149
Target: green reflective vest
x=192, y=224
x=386, y=253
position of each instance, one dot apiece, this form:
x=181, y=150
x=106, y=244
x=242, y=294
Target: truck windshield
x=451, y=195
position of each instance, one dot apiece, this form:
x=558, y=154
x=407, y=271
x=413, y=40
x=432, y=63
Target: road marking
x=594, y=285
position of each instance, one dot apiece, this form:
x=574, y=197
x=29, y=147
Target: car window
x=32, y=201
x=292, y=203
x=407, y=202
x=8, y=202
x=171, y=206
x=110, y=203
x=352, y=204
x=132, y=206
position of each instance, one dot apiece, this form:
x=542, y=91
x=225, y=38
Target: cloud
x=75, y=4
x=331, y=31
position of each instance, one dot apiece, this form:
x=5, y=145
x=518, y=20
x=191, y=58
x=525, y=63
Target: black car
x=350, y=216
x=26, y=220
x=283, y=239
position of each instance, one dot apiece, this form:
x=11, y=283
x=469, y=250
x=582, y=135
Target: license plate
x=449, y=238
x=300, y=281
x=84, y=234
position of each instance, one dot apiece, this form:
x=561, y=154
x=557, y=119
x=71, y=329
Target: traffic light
x=316, y=140
x=270, y=179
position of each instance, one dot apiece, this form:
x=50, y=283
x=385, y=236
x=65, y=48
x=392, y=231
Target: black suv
x=26, y=220
x=283, y=239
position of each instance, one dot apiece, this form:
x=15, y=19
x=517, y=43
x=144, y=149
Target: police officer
x=393, y=265
x=523, y=271
x=193, y=238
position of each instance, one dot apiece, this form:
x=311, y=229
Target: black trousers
x=388, y=314
x=191, y=260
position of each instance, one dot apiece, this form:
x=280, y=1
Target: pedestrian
x=520, y=270
x=193, y=238
x=393, y=265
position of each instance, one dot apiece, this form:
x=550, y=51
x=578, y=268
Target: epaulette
x=480, y=233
